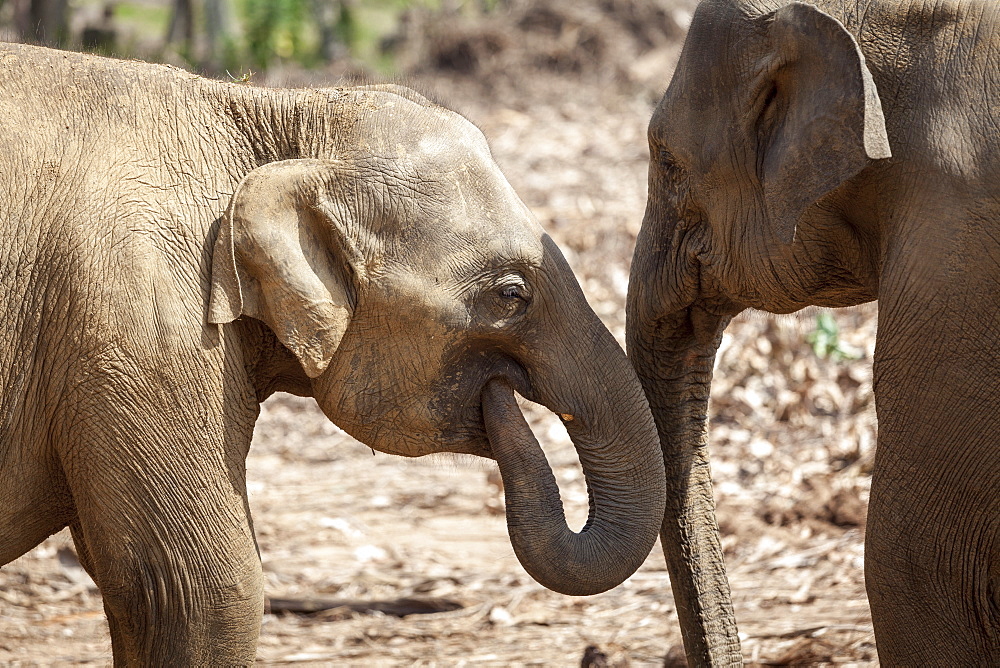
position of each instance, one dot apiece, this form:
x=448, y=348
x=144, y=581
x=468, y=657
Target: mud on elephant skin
x=174, y=250
x=832, y=154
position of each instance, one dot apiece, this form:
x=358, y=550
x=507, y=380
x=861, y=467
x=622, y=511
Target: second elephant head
x=418, y=294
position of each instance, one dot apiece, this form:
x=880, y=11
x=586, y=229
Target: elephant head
x=417, y=293
x=753, y=202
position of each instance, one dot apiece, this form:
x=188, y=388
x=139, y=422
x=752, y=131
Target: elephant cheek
x=400, y=422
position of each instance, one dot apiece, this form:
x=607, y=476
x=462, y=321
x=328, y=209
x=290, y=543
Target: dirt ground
x=377, y=536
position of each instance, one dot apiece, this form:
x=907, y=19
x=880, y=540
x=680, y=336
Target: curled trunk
x=624, y=479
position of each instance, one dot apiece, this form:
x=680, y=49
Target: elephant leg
x=87, y=561
x=932, y=546
x=34, y=503
x=932, y=569
x=180, y=587
x=163, y=528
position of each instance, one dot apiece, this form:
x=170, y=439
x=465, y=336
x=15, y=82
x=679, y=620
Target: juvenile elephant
x=831, y=154
x=173, y=250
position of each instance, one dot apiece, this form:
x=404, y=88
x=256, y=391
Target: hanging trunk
x=674, y=358
x=672, y=341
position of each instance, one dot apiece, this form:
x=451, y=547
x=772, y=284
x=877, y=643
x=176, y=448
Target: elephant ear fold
x=820, y=119
x=279, y=257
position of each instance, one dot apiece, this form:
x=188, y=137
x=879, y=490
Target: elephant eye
x=667, y=159
x=512, y=286
x=510, y=297
x=512, y=292
x=767, y=104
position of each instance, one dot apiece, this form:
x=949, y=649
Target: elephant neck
x=284, y=124
x=269, y=366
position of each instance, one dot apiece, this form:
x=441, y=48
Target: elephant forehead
x=707, y=74
x=455, y=255
x=440, y=181
x=424, y=138
x=474, y=207
x=439, y=174
x=467, y=250
x=466, y=172
x=451, y=142
x=497, y=225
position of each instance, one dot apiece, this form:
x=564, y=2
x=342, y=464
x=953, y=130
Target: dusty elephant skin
x=834, y=154
x=173, y=250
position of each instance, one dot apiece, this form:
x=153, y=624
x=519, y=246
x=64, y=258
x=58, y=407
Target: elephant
x=829, y=154
x=177, y=249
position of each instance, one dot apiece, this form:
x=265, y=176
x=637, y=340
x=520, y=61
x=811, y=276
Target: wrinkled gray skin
x=173, y=250
x=832, y=155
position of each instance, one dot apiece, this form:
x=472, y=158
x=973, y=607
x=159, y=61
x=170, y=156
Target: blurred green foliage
x=237, y=35
x=278, y=29
x=825, y=339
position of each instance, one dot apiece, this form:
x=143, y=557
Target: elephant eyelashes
x=768, y=109
x=510, y=297
x=667, y=160
x=511, y=292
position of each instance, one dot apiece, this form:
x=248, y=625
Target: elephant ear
x=820, y=119
x=282, y=257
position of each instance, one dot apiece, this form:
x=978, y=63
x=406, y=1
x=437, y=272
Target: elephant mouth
x=467, y=440
x=514, y=411
x=518, y=385
x=463, y=427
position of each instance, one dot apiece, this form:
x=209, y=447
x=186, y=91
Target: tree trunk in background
x=202, y=32
x=181, y=22
x=329, y=15
x=219, y=31
x=42, y=21
x=181, y=30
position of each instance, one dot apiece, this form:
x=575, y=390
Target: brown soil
x=792, y=439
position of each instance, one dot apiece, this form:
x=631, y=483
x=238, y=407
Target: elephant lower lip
x=470, y=440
